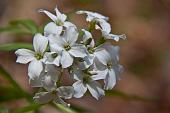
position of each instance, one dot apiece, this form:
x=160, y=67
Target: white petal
x=92, y=15
x=113, y=51
x=86, y=63
x=103, y=56
x=60, y=16
x=113, y=37
x=52, y=16
x=52, y=28
x=66, y=59
x=58, y=100
x=105, y=26
x=79, y=89
x=118, y=70
x=69, y=24
x=71, y=35
x=34, y=69
x=52, y=71
x=95, y=89
x=86, y=35
x=43, y=97
x=99, y=66
x=77, y=74
x=100, y=75
x=57, y=44
x=65, y=92
x=57, y=61
x=48, y=83
x=36, y=81
x=110, y=80
x=40, y=43
x=78, y=51
x=24, y=56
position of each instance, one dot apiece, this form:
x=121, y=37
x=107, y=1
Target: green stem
x=31, y=107
x=91, y=26
x=63, y=108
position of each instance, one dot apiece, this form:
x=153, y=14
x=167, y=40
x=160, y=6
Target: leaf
x=25, y=26
x=3, y=110
x=15, y=46
x=15, y=85
x=14, y=29
x=127, y=97
x=27, y=23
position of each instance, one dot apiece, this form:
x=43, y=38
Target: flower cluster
x=62, y=48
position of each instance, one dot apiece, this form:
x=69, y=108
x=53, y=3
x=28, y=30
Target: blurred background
x=145, y=83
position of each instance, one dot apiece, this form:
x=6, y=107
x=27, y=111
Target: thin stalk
x=63, y=108
x=29, y=108
x=59, y=79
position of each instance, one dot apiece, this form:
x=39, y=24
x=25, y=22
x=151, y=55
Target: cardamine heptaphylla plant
x=62, y=47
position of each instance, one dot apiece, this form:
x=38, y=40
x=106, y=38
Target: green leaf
x=127, y=96
x=14, y=29
x=15, y=85
x=15, y=46
x=27, y=23
x=3, y=110
x=25, y=26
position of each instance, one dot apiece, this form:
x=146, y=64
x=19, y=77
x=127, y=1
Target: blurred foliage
x=25, y=26
x=3, y=110
x=14, y=46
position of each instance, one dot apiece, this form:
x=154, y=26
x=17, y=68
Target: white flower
x=59, y=21
x=35, y=58
x=87, y=41
x=56, y=95
x=86, y=80
x=101, y=21
x=106, y=34
x=67, y=44
x=92, y=15
x=101, y=24
x=107, y=63
x=47, y=78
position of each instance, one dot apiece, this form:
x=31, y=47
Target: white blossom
x=64, y=49
x=86, y=80
x=107, y=63
x=59, y=21
x=70, y=49
x=35, y=58
x=57, y=95
x=48, y=76
x=101, y=24
x=92, y=15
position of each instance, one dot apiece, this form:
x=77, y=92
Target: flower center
x=109, y=65
x=67, y=47
x=91, y=50
x=54, y=55
x=38, y=56
x=80, y=59
x=86, y=79
x=59, y=22
x=54, y=93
